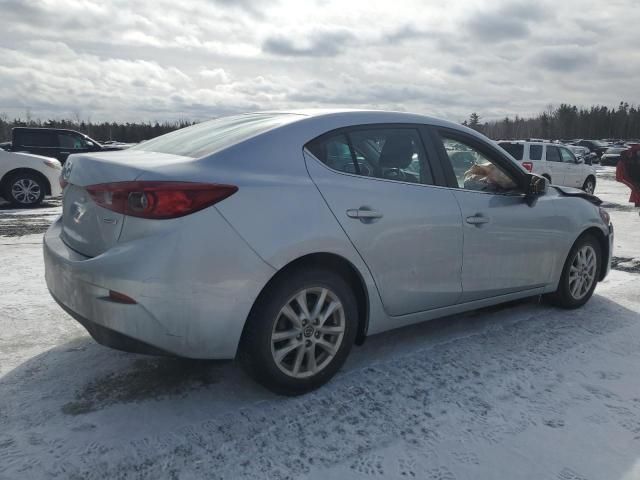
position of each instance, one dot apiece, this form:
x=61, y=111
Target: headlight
x=53, y=164
x=604, y=215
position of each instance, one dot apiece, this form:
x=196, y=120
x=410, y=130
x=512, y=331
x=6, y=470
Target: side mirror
x=579, y=160
x=537, y=185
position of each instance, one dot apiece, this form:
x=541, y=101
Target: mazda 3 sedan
x=284, y=238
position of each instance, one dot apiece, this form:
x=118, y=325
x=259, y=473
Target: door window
x=388, y=153
x=567, y=156
x=474, y=170
x=36, y=138
x=70, y=141
x=553, y=154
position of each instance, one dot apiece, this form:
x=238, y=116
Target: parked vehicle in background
x=612, y=156
x=26, y=179
x=583, y=152
x=286, y=237
x=553, y=161
x=53, y=142
x=596, y=146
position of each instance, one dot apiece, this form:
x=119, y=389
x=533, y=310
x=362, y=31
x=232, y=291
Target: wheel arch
x=340, y=265
x=31, y=171
x=604, y=247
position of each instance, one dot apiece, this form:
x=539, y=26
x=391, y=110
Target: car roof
x=377, y=116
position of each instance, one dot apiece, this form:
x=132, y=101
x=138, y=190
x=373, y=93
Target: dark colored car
x=612, y=156
x=596, y=146
x=53, y=142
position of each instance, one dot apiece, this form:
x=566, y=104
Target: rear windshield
x=516, y=150
x=209, y=137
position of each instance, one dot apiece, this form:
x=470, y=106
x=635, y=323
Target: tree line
x=563, y=122
x=102, y=131
x=566, y=122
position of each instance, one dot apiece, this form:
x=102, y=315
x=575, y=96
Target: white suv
x=555, y=162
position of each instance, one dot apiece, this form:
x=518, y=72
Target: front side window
x=567, y=156
x=389, y=153
x=474, y=170
x=535, y=152
x=70, y=141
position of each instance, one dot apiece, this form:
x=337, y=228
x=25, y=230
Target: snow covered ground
x=522, y=391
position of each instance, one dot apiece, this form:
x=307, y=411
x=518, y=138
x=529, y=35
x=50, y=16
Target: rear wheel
x=24, y=189
x=579, y=275
x=589, y=185
x=547, y=177
x=300, y=331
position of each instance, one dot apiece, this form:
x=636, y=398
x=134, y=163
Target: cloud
x=566, y=58
x=507, y=21
x=161, y=59
x=318, y=44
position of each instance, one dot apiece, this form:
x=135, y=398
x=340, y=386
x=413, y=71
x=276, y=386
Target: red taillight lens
x=528, y=166
x=121, y=298
x=158, y=200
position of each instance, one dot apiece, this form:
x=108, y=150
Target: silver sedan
x=284, y=238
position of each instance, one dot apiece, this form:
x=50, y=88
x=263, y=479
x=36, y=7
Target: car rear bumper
x=193, y=292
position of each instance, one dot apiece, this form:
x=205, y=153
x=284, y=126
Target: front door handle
x=363, y=214
x=477, y=220
x=65, y=153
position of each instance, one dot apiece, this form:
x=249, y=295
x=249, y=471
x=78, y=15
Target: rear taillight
x=158, y=200
x=528, y=166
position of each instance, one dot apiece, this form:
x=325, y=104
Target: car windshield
x=214, y=135
x=516, y=150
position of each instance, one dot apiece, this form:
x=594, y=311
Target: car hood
x=575, y=192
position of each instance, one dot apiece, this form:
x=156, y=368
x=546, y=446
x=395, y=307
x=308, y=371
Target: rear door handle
x=363, y=213
x=477, y=220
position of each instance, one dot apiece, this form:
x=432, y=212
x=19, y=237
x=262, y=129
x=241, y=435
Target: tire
x=547, y=177
x=565, y=296
x=24, y=189
x=277, y=312
x=589, y=185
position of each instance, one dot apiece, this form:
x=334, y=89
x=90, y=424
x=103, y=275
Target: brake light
x=528, y=166
x=158, y=200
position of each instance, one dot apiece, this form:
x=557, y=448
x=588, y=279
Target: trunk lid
x=87, y=227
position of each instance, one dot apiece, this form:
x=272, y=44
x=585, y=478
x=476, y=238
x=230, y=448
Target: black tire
x=563, y=296
x=547, y=177
x=256, y=353
x=14, y=188
x=589, y=185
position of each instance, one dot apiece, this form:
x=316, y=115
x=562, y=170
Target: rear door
x=510, y=244
x=555, y=165
x=378, y=183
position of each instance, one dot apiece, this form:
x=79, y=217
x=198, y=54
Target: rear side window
x=208, y=137
x=553, y=154
x=37, y=139
x=389, y=153
x=535, y=152
x=516, y=150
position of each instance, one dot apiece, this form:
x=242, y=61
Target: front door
x=573, y=175
x=379, y=185
x=509, y=243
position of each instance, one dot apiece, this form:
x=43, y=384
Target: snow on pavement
x=517, y=391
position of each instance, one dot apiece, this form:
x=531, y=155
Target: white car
x=25, y=179
x=555, y=162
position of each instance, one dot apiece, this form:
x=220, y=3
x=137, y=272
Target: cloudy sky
x=166, y=59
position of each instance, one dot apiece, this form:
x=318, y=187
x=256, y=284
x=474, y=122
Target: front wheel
x=300, y=331
x=589, y=185
x=24, y=190
x=579, y=275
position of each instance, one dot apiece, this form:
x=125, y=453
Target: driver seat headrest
x=397, y=151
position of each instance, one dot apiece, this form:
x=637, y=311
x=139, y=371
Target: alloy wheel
x=582, y=272
x=25, y=190
x=589, y=187
x=308, y=332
